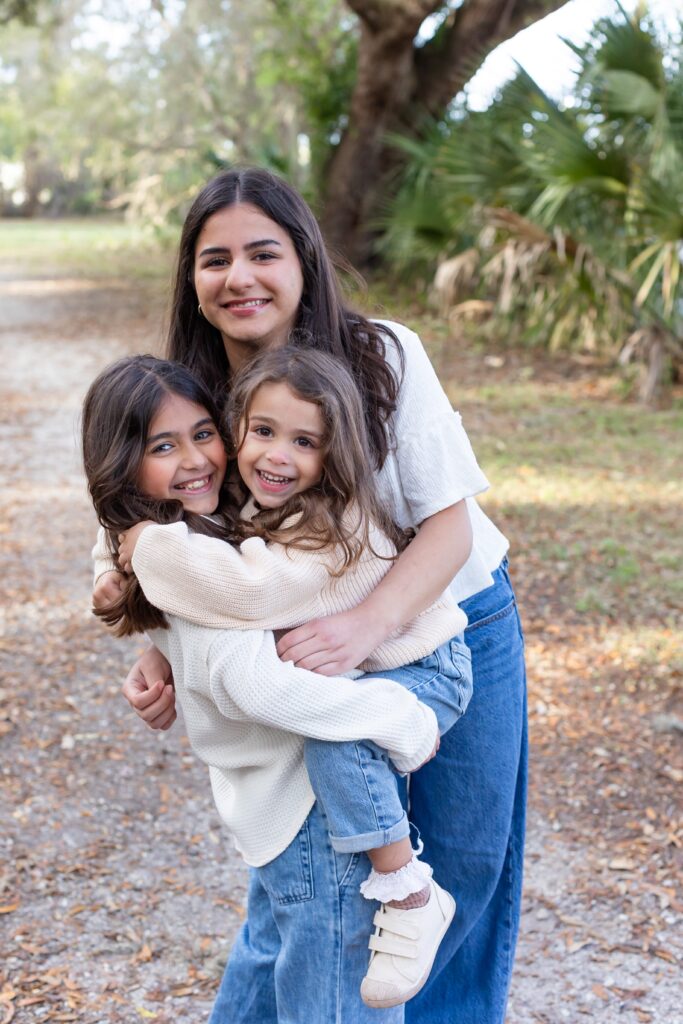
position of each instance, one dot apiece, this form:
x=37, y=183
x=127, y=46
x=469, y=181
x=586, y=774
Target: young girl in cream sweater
x=307, y=543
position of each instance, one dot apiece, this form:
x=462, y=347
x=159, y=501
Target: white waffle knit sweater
x=246, y=713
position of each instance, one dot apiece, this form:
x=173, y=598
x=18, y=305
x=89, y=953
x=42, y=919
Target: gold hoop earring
x=200, y=310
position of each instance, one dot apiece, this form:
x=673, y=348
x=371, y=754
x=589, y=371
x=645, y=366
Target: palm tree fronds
x=566, y=218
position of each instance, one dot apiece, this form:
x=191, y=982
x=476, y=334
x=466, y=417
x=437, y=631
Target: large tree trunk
x=397, y=83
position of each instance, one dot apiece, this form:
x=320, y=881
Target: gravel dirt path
x=119, y=892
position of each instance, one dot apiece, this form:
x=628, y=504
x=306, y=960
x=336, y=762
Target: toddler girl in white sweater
x=307, y=539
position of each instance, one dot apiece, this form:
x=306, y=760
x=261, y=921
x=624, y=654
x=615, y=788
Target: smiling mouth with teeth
x=194, y=485
x=270, y=478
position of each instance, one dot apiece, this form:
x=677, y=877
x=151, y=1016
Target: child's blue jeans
x=355, y=782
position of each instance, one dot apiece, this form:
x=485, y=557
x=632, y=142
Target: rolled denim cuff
x=371, y=840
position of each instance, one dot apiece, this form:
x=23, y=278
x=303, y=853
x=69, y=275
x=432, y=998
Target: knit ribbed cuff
x=428, y=740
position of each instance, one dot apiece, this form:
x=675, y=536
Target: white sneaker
x=403, y=947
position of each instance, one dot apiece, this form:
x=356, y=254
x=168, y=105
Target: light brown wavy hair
x=337, y=511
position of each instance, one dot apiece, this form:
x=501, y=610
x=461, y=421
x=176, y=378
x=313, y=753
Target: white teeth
x=272, y=479
x=194, y=485
x=247, y=305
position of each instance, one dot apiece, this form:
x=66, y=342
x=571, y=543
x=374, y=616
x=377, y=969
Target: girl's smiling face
x=283, y=448
x=184, y=459
x=248, y=280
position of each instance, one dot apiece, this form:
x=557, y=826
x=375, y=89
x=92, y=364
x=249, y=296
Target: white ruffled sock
x=386, y=886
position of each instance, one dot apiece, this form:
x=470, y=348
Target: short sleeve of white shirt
x=431, y=464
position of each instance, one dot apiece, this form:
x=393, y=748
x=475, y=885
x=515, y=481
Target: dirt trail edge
x=119, y=891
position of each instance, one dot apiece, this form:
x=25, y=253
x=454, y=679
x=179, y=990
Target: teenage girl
x=252, y=269
x=297, y=429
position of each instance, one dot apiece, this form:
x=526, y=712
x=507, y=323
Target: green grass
x=94, y=248
x=597, y=495
x=577, y=437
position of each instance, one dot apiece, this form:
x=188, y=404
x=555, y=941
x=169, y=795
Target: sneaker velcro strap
x=392, y=922
x=392, y=944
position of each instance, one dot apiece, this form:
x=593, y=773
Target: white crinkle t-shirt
x=431, y=464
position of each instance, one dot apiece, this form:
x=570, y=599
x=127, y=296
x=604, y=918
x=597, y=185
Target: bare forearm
x=423, y=571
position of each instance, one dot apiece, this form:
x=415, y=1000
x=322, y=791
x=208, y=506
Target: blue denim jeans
x=469, y=806
x=354, y=782
x=303, y=951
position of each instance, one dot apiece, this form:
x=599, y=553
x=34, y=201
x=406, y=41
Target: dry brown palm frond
x=651, y=346
x=453, y=277
x=471, y=311
x=549, y=287
x=504, y=219
x=514, y=263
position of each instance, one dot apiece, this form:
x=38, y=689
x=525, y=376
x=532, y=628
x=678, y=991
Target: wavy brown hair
x=324, y=320
x=338, y=511
x=118, y=411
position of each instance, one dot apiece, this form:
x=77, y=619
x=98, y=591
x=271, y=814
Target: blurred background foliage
x=559, y=224
x=534, y=221
x=132, y=105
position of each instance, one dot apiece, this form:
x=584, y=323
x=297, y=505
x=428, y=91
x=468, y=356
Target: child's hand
x=127, y=541
x=107, y=588
x=148, y=688
x=332, y=645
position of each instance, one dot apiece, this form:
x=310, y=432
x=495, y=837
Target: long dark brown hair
x=338, y=511
x=118, y=410
x=324, y=321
